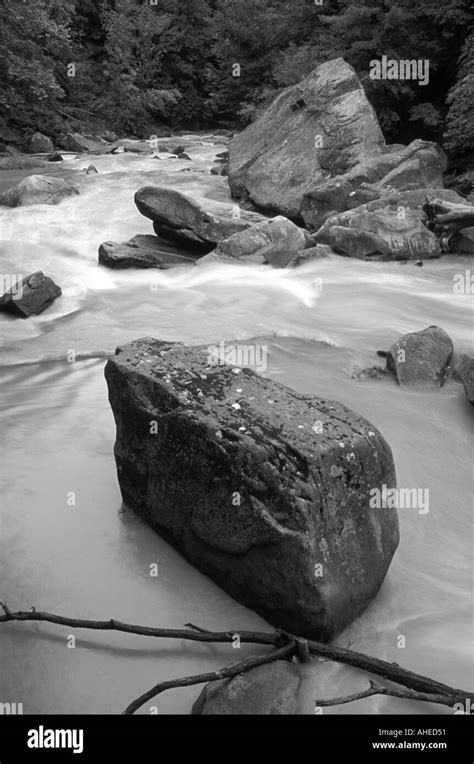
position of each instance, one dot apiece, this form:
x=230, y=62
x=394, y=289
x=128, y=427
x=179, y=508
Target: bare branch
x=213, y=676
x=377, y=689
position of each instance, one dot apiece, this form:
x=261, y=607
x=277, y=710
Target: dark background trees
x=142, y=64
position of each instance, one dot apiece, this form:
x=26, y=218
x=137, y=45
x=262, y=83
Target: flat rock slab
x=187, y=218
x=269, y=689
x=421, y=359
x=31, y=296
x=37, y=189
x=142, y=251
x=264, y=489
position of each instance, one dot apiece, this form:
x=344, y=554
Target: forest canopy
x=135, y=66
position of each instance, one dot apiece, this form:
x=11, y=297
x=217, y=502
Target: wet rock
x=421, y=359
x=31, y=296
x=37, y=189
x=219, y=170
x=183, y=155
x=180, y=215
x=418, y=166
x=463, y=241
x=265, y=490
x=179, y=149
x=464, y=372
x=142, y=251
x=54, y=157
x=317, y=252
x=91, y=169
x=20, y=161
x=277, y=159
x=78, y=143
x=109, y=136
x=276, y=241
x=392, y=232
x=269, y=689
x=38, y=144
x=142, y=147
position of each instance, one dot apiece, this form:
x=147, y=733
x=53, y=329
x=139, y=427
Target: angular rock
x=32, y=296
x=265, y=490
x=37, y=189
x=464, y=372
x=54, y=157
x=142, y=251
x=275, y=161
x=38, y=144
x=183, y=155
x=78, y=143
x=276, y=241
x=418, y=166
x=269, y=689
x=421, y=359
x=109, y=136
x=392, y=232
x=463, y=242
x=173, y=211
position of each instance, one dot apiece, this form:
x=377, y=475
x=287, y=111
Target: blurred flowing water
x=92, y=560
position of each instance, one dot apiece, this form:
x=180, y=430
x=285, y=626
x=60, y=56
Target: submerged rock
x=142, y=251
x=37, y=189
x=273, y=688
x=421, y=359
x=265, y=490
x=31, y=296
x=175, y=212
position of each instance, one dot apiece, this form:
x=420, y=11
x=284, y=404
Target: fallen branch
x=213, y=676
x=378, y=689
x=420, y=687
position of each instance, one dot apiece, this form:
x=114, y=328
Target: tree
x=460, y=118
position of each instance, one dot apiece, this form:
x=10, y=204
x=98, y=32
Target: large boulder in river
x=30, y=296
x=38, y=144
x=182, y=217
x=276, y=241
x=78, y=143
x=322, y=127
x=142, y=251
x=37, y=189
x=464, y=372
x=264, y=489
x=421, y=359
x=392, y=232
x=417, y=166
x=317, y=143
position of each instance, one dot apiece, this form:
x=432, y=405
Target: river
x=92, y=559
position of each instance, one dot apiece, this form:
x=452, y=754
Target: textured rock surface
x=264, y=489
x=275, y=160
x=20, y=161
x=37, y=189
x=417, y=166
x=78, y=143
x=38, y=144
x=172, y=211
x=275, y=241
x=141, y=251
x=269, y=689
x=421, y=359
x=33, y=296
x=464, y=371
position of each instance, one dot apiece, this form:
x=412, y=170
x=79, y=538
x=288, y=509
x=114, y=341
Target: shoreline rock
x=37, y=189
x=31, y=296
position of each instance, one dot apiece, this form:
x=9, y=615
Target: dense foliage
x=136, y=65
